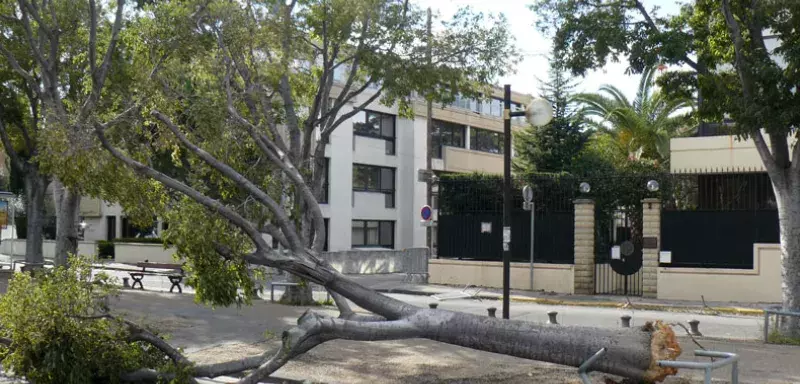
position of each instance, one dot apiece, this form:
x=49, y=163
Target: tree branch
x=283, y=221
x=16, y=160
x=214, y=205
x=99, y=74
x=653, y=27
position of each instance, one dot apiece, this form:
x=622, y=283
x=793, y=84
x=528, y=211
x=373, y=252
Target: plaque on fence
x=650, y=242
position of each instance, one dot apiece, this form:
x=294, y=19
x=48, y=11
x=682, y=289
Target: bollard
x=492, y=311
x=433, y=305
x=695, y=326
x=626, y=321
x=126, y=282
x=552, y=315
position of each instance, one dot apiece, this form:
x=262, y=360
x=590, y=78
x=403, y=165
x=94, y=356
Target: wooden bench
x=175, y=274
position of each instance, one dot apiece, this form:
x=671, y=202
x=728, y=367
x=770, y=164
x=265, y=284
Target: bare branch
x=276, y=234
x=33, y=84
x=99, y=74
x=328, y=130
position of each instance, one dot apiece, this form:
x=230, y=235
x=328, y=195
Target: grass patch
x=775, y=337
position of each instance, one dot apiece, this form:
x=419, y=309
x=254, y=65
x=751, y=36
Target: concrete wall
x=465, y=160
x=17, y=248
x=760, y=284
x=546, y=277
x=132, y=253
x=714, y=154
x=413, y=260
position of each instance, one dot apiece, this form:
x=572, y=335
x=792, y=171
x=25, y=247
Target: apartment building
x=373, y=192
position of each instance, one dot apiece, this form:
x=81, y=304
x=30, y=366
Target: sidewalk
x=395, y=284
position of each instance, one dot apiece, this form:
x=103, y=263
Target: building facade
x=373, y=192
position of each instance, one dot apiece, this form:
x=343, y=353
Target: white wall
x=132, y=253
x=17, y=248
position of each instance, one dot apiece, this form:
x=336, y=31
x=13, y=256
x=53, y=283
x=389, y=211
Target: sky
x=535, y=47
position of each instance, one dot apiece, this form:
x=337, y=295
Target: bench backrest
x=159, y=266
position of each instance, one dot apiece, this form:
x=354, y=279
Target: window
x=446, y=134
x=369, y=178
x=378, y=125
x=327, y=235
x=372, y=233
x=485, y=140
x=325, y=186
x=130, y=231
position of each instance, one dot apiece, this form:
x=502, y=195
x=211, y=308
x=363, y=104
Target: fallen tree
x=242, y=98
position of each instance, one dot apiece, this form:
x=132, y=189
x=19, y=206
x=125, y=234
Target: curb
x=597, y=304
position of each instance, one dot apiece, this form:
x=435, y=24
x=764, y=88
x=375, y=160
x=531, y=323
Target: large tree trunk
x=35, y=187
x=301, y=294
x=67, y=205
x=789, y=218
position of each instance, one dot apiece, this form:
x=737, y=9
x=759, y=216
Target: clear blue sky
x=534, y=46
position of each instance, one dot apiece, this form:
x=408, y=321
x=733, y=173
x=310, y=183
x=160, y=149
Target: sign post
x=426, y=213
x=528, y=205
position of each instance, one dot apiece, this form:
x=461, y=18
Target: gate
x=618, y=256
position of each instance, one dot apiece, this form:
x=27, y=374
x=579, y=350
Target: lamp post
x=538, y=113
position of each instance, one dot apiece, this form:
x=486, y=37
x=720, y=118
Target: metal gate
x=618, y=246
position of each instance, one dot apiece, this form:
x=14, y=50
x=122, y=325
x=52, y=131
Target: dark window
x=370, y=178
x=111, y=228
x=377, y=125
x=325, y=185
x=130, y=231
x=485, y=140
x=327, y=235
x=372, y=233
x=446, y=134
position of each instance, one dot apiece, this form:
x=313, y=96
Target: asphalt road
x=225, y=333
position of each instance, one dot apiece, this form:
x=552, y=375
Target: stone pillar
x=584, y=247
x=651, y=228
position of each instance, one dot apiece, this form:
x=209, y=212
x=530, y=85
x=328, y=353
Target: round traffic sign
x=527, y=193
x=426, y=212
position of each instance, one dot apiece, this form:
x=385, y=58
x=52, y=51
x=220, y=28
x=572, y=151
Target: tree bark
x=35, y=186
x=789, y=218
x=67, y=205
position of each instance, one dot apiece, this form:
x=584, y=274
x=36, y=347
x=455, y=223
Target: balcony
x=464, y=160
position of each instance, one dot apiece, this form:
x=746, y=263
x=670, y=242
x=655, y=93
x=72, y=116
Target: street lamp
x=538, y=113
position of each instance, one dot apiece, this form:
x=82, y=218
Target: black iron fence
x=470, y=224
x=713, y=220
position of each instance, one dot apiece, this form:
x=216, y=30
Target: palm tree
x=640, y=129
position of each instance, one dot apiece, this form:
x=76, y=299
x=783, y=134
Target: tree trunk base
x=300, y=295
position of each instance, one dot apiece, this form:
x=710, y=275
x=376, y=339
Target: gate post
x=584, y=247
x=651, y=223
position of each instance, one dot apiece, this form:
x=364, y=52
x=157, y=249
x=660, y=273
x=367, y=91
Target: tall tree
x=732, y=69
x=554, y=147
x=247, y=94
x=642, y=128
x=55, y=75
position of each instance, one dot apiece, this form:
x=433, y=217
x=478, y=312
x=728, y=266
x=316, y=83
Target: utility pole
x=429, y=114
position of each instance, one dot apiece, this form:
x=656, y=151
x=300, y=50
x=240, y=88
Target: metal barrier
x=775, y=311
x=727, y=358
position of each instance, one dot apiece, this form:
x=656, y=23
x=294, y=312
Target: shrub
x=53, y=341
x=141, y=240
x=105, y=249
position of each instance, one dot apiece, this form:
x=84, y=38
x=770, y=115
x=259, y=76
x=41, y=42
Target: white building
x=374, y=195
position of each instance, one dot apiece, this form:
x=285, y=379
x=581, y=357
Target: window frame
x=440, y=124
x=365, y=226
x=389, y=193
x=326, y=198
x=391, y=140
x=475, y=142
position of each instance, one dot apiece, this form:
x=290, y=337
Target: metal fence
x=470, y=222
x=713, y=220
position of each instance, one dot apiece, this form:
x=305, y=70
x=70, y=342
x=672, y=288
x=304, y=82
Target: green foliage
x=44, y=316
x=554, y=147
x=642, y=128
x=196, y=233
x=776, y=337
